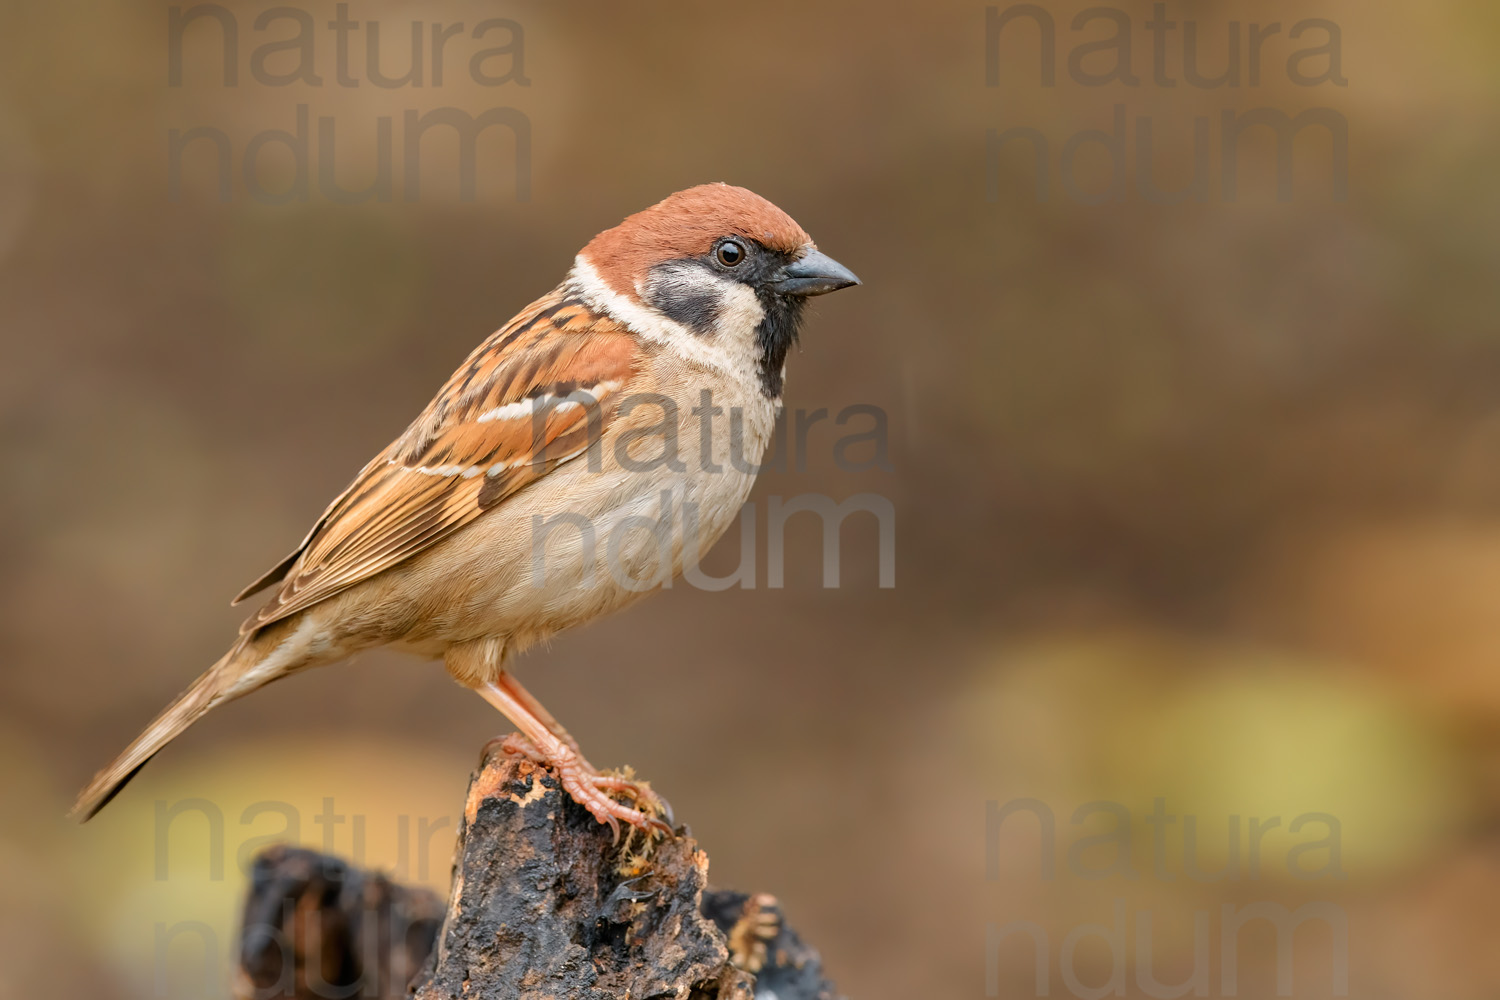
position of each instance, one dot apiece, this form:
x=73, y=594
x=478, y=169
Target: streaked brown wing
x=533, y=396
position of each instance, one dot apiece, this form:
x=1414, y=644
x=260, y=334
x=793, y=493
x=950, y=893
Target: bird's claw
x=589, y=788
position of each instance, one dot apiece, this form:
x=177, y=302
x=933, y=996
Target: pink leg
x=542, y=744
x=509, y=682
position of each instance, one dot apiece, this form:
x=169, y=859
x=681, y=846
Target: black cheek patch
x=698, y=312
x=693, y=303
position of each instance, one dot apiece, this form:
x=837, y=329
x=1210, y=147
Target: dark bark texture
x=316, y=927
x=543, y=905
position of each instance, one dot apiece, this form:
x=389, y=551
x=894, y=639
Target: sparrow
x=561, y=473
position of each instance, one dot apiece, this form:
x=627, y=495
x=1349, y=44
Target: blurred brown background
x=1196, y=502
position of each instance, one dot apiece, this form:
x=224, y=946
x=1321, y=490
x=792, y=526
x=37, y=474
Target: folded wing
x=537, y=394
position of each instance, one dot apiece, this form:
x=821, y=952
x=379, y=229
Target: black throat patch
x=775, y=335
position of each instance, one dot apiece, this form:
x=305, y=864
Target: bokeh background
x=1195, y=502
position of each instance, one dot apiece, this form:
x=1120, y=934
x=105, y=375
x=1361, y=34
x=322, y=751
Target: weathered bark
x=543, y=905
x=315, y=927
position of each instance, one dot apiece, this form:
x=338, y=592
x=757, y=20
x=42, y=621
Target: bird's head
x=716, y=264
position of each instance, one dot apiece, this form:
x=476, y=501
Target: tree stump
x=543, y=905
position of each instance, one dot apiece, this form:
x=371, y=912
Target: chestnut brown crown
x=687, y=224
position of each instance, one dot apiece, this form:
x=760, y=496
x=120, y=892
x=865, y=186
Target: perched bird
x=565, y=470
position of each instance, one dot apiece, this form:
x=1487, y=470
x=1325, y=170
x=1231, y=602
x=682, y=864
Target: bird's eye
x=730, y=253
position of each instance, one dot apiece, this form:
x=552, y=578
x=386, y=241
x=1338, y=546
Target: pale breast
x=666, y=480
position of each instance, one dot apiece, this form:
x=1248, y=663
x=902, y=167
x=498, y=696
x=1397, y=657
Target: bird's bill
x=815, y=273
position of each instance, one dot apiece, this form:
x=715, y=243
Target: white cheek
x=740, y=313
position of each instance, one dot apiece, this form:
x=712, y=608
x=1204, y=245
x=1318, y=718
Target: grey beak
x=815, y=274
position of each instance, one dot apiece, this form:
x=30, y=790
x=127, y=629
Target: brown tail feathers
x=214, y=687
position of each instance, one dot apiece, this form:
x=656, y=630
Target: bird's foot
x=520, y=746
x=592, y=789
